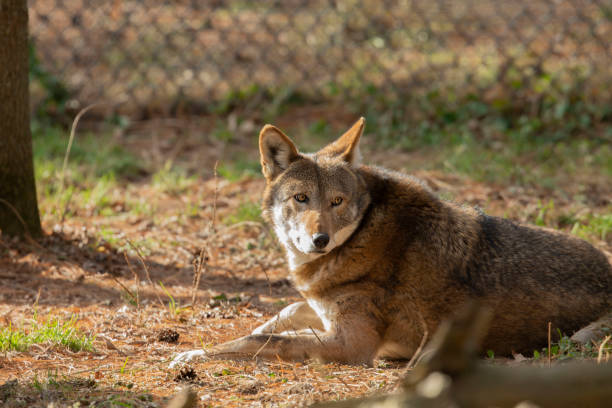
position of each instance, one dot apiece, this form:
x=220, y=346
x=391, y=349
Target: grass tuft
x=172, y=180
x=50, y=331
x=247, y=211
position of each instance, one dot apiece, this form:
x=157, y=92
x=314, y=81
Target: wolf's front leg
x=292, y=318
x=184, y=357
x=352, y=340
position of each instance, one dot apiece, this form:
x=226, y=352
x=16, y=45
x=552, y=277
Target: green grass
x=584, y=224
x=596, y=225
x=247, y=211
x=239, y=169
x=172, y=180
x=174, y=308
x=565, y=348
x=91, y=155
x=49, y=331
x=117, y=240
x=493, y=142
x=91, y=178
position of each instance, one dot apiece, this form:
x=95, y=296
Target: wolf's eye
x=337, y=201
x=301, y=198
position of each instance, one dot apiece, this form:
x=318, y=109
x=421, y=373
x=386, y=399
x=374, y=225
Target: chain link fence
x=184, y=55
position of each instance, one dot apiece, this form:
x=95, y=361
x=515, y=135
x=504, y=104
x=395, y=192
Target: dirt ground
x=113, y=287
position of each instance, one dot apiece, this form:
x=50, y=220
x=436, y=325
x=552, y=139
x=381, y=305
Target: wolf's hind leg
x=594, y=331
x=292, y=318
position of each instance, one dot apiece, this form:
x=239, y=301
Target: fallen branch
x=450, y=375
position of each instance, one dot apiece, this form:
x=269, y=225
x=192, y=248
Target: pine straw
x=77, y=272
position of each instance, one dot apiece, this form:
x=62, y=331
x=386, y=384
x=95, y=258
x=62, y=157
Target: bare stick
x=549, y=330
x=323, y=344
x=129, y=292
x=200, y=262
x=65, y=164
x=14, y=210
x=144, y=265
x=316, y=335
x=418, y=351
x=136, y=277
x=25, y=228
x=214, y=214
x=265, y=271
x=263, y=346
x=601, y=349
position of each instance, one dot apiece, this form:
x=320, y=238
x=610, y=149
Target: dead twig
x=419, y=349
x=324, y=346
x=199, y=264
x=262, y=347
x=136, y=277
x=65, y=163
x=602, y=348
x=549, y=334
x=214, y=214
x=146, y=269
x=128, y=291
x=265, y=271
x=25, y=228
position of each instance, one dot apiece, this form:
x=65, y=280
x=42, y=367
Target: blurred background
x=509, y=93
x=182, y=57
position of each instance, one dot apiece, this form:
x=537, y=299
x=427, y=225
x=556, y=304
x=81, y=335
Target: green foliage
x=543, y=210
x=595, y=225
x=91, y=155
x=239, y=169
x=222, y=133
x=247, y=211
x=55, y=93
x=565, y=348
x=224, y=372
x=50, y=331
x=491, y=143
x=173, y=307
x=124, y=365
x=235, y=98
x=172, y=180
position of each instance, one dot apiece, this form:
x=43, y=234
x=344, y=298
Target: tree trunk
x=18, y=205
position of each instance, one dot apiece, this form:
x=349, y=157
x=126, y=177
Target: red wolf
x=380, y=259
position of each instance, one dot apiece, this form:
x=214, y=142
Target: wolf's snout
x=320, y=240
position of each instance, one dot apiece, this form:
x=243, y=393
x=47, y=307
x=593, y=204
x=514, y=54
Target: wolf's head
x=314, y=201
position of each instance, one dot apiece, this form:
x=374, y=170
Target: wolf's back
x=531, y=276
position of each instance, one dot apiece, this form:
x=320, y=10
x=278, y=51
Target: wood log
x=449, y=375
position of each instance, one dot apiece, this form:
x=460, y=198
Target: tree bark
x=18, y=205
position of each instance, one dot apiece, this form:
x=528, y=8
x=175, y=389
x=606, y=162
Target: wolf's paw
x=182, y=358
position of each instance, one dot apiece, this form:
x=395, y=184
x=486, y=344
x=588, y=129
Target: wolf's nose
x=320, y=240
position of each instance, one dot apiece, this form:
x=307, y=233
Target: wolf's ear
x=277, y=151
x=347, y=146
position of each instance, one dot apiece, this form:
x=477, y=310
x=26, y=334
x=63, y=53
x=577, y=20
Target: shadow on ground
x=51, y=391
x=57, y=270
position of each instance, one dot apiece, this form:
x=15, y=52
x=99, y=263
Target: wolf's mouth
x=317, y=251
